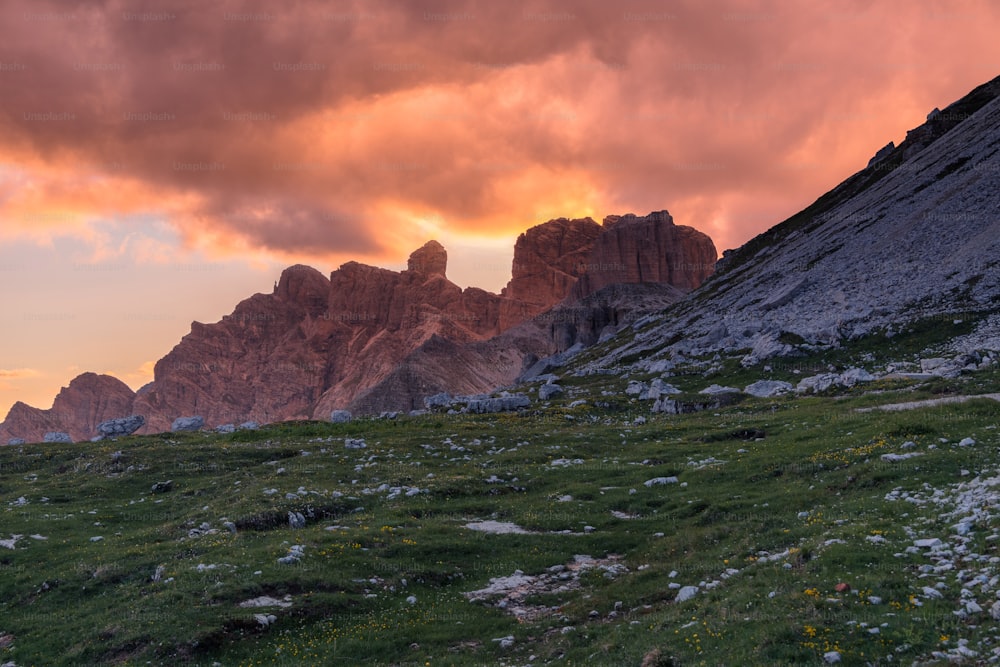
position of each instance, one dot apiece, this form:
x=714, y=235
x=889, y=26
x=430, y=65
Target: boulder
x=163, y=487
x=16, y=441
x=686, y=593
x=715, y=389
x=498, y=404
x=765, y=346
x=853, y=376
x=225, y=428
x=656, y=389
x=547, y=391
x=187, y=424
x=636, y=388
x=57, y=436
x=121, y=426
x=340, y=416
x=442, y=400
x=817, y=383
x=249, y=426
x=768, y=388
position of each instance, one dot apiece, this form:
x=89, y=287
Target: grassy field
x=776, y=502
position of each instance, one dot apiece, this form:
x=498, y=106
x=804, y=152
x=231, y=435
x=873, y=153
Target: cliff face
x=548, y=261
x=649, y=249
x=370, y=339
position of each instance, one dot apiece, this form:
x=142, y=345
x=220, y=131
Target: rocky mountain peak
x=430, y=259
x=301, y=283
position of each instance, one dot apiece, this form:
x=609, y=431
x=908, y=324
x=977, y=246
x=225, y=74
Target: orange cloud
x=333, y=131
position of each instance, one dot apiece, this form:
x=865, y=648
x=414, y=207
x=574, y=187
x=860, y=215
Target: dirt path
x=931, y=402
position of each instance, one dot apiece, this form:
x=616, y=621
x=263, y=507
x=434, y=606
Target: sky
x=161, y=161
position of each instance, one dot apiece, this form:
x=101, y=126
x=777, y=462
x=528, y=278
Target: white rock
x=635, y=388
x=9, y=544
x=932, y=593
x=264, y=601
x=928, y=543
x=340, y=416
x=830, y=657
x=768, y=388
x=657, y=481
x=895, y=458
x=966, y=442
x=686, y=593
x=714, y=389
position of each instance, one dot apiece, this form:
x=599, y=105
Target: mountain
x=77, y=409
x=369, y=340
x=915, y=234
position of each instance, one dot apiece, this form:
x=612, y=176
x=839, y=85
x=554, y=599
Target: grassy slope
x=67, y=600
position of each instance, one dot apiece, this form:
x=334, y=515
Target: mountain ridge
x=914, y=234
x=369, y=339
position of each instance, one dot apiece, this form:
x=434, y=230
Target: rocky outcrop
x=431, y=259
x=648, y=249
x=371, y=340
x=77, y=410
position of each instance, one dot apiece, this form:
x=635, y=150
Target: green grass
x=67, y=600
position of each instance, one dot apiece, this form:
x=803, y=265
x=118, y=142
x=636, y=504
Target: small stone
x=830, y=657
